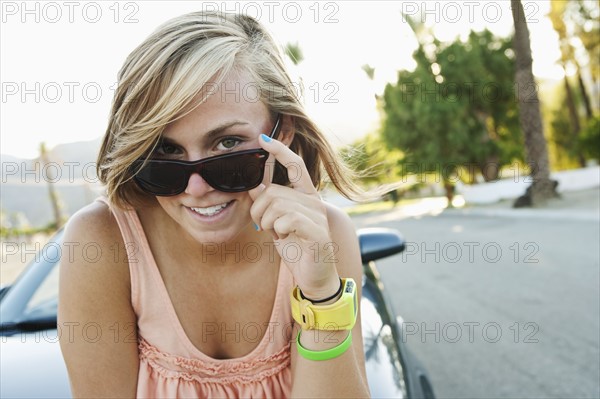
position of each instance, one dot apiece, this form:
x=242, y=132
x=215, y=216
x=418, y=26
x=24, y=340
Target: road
x=499, y=303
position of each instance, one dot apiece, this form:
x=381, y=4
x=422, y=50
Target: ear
x=286, y=134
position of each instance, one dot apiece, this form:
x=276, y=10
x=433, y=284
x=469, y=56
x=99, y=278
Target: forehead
x=237, y=98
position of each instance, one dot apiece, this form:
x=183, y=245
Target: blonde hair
x=163, y=77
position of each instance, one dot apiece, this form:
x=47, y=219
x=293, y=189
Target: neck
x=246, y=248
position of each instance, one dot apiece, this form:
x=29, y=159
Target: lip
x=214, y=218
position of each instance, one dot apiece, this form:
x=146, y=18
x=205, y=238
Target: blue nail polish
x=256, y=227
x=266, y=138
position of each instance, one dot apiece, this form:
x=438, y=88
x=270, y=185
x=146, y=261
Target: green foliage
x=369, y=70
x=7, y=233
x=588, y=31
x=561, y=143
x=456, y=108
x=573, y=19
x=375, y=163
x=561, y=135
x=578, y=18
x=294, y=51
x=589, y=138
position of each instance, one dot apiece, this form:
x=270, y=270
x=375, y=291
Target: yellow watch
x=340, y=315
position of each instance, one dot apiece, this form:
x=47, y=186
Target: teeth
x=211, y=210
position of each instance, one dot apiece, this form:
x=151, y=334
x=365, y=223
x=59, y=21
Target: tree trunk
x=576, y=126
x=530, y=118
x=449, y=188
x=52, y=194
x=586, y=98
x=490, y=170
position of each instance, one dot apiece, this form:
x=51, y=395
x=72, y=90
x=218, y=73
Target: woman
x=222, y=273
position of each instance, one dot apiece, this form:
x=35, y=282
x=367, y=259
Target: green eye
x=166, y=148
x=228, y=143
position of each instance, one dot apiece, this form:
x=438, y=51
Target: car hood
x=31, y=365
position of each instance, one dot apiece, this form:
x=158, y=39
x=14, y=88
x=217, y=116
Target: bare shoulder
x=340, y=224
x=93, y=259
x=93, y=256
x=95, y=222
x=93, y=249
x=345, y=241
x=337, y=217
x=95, y=289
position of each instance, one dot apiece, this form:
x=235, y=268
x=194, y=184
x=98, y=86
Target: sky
x=59, y=60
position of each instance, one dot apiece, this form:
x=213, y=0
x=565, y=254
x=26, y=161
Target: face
x=229, y=121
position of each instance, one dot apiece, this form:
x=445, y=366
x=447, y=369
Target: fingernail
x=256, y=227
x=266, y=138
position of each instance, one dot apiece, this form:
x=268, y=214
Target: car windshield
x=44, y=301
x=34, y=295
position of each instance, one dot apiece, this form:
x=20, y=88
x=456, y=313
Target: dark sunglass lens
x=162, y=178
x=237, y=173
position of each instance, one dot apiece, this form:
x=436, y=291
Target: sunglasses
x=231, y=173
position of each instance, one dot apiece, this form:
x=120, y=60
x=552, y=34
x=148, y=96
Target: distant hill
x=9, y=158
x=81, y=151
x=30, y=204
x=24, y=195
x=69, y=161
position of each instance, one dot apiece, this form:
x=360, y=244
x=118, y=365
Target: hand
x=297, y=218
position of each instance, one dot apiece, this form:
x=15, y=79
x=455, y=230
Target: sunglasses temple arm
x=276, y=128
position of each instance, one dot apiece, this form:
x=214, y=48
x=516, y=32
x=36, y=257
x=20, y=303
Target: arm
x=94, y=291
x=296, y=215
x=344, y=376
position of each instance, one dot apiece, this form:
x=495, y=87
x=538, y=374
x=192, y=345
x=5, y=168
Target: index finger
x=294, y=164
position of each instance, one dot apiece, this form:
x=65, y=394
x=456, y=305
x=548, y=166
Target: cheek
x=166, y=203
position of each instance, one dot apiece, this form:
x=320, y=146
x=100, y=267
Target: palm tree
x=557, y=13
x=54, y=200
x=530, y=118
x=294, y=51
x=369, y=70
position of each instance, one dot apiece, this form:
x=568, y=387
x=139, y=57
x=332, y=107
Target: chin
x=221, y=235
x=226, y=225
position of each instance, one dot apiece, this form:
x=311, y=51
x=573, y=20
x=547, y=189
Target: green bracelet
x=327, y=354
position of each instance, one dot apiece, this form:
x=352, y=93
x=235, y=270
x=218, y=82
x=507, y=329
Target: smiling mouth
x=212, y=210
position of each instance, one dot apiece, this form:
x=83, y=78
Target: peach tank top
x=171, y=366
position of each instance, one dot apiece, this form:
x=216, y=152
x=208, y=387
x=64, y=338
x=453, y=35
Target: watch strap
x=329, y=298
x=340, y=315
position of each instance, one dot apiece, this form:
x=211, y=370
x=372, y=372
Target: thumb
x=255, y=192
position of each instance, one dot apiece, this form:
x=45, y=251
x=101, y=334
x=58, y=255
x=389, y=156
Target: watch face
x=355, y=299
x=349, y=286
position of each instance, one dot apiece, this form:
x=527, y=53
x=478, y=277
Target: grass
x=379, y=206
x=370, y=207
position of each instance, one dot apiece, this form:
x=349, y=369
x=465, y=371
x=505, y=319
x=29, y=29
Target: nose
x=197, y=186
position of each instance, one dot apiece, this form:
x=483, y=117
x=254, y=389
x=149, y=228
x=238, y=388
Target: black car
x=31, y=363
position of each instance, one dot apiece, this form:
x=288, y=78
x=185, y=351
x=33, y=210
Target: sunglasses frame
x=191, y=167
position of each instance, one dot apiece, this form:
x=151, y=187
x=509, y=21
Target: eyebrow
x=211, y=134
